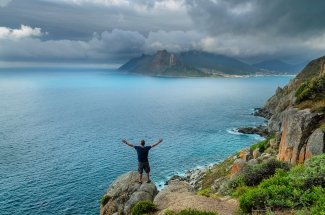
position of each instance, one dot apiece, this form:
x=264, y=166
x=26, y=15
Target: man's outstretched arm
x=127, y=143
x=156, y=144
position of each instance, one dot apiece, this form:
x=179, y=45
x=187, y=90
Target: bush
x=302, y=186
x=262, y=145
x=205, y=192
x=240, y=191
x=253, y=175
x=228, y=187
x=312, y=89
x=104, y=199
x=189, y=212
x=143, y=207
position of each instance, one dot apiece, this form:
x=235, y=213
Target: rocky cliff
x=296, y=113
x=124, y=192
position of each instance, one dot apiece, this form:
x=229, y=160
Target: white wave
x=234, y=131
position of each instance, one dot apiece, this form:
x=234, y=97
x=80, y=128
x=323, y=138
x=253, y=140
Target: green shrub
x=318, y=207
x=240, y=191
x=205, y=192
x=104, y=199
x=253, y=175
x=262, y=145
x=189, y=212
x=302, y=187
x=312, y=89
x=143, y=207
x=228, y=187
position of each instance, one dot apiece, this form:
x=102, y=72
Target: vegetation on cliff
x=144, y=207
x=302, y=187
x=311, y=94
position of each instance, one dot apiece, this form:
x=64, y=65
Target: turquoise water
x=60, y=131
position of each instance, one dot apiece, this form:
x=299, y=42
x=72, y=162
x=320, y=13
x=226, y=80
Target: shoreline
x=215, y=75
x=193, y=175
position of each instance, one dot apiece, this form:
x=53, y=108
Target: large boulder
x=297, y=126
x=315, y=144
x=179, y=195
x=237, y=166
x=124, y=192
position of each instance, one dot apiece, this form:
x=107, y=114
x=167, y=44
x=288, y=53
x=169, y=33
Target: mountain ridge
x=192, y=64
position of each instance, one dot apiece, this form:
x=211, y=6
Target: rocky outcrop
x=300, y=136
x=315, y=144
x=179, y=195
x=260, y=130
x=192, y=177
x=297, y=127
x=124, y=192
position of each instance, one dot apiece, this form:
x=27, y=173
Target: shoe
x=148, y=181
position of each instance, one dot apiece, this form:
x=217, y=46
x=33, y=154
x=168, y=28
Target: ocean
x=61, y=131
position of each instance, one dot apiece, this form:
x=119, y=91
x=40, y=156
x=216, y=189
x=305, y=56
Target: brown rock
x=302, y=155
x=256, y=153
x=125, y=191
x=296, y=128
x=237, y=166
x=245, y=155
x=273, y=143
x=178, y=195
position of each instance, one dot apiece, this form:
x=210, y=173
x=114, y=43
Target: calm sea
x=61, y=131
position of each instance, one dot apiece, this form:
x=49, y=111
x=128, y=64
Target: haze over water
x=61, y=131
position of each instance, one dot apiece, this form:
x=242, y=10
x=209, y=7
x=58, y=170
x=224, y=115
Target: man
x=143, y=162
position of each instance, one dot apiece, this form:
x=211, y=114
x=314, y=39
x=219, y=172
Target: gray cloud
x=114, y=31
x=4, y=3
x=276, y=17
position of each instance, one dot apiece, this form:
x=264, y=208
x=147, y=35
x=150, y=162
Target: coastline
x=213, y=75
x=195, y=174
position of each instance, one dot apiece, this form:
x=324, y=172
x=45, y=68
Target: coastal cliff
x=296, y=112
x=283, y=174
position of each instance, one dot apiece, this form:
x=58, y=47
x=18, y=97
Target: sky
x=113, y=31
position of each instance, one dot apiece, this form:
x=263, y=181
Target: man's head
x=142, y=142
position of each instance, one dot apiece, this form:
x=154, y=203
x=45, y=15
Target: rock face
x=300, y=136
x=260, y=130
x=297, y=127
x=315, y=144
x=124, y=192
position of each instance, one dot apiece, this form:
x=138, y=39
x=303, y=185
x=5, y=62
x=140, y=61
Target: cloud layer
x=115, y=30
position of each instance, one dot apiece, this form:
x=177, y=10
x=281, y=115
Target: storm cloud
x=114, y=30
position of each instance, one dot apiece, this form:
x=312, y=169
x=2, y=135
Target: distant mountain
x=162, y=63
x=278, y=66
x=190, y=63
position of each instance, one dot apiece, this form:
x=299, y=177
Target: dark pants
x=143, y=166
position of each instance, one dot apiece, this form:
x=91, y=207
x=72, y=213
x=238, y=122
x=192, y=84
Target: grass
x=143, y=207
x=104, y=200
x=262, y=145
x=217, y=171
